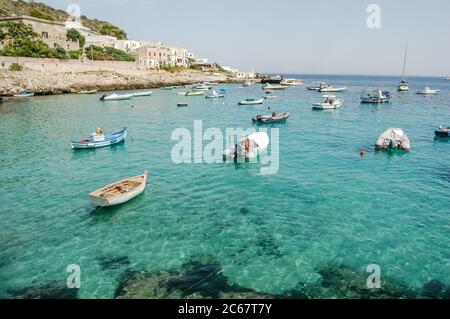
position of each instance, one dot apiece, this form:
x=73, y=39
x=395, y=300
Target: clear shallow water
x=325, y=207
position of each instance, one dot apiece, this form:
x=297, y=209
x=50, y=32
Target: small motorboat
x=330, y=88
x=271, y=79
x=251, y=101
x=274, y=117
x=249, y=147
x=182, y=104
x=270, y=97
x=195, y=93
x=201, y=87
x=88, y=91
x=168, y=88
x=141, y=94
x=223, y=90
x=119, y=192
x=316, y=86
x=116, y=97
x=24, y=94
x=443, y=132
x=271, y=87
x=375, y=96
x=100, y=139
x=291, y=82
x=330, y=103
x=428, y=91
x=394, y=139
x=214, y=95
x=181, y=93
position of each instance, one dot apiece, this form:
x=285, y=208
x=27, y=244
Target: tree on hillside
x=74, y=35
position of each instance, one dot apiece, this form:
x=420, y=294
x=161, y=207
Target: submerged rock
x=110, y=262
x=197, y=279
x=436, y=289
x=53, y=290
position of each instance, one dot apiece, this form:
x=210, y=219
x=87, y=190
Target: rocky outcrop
x=52, y=82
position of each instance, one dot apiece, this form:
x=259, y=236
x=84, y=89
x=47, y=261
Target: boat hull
x=110, y=139
x=256, y=102
x=442, y=134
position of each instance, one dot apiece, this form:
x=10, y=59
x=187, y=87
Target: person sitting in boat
x=98, y=135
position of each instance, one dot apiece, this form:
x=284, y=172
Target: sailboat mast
x=404, y=61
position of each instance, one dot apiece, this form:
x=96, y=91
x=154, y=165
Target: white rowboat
x=119, y=192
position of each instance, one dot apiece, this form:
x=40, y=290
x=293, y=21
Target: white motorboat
x=316, y=86
x=330, y=103
x=271, y=87
x=201, y=87
x=403, y=85
x=251, y=101
x=375, y=96
x=393, y=138
x=249, y=147
x=116, y=97
x=141, y=94
x=325, y=88
x=248, y=83
x=119, y=192
x=428, y=91
x=291, y=82
x=214, y=95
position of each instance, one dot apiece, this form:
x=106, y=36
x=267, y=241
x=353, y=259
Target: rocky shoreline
x=47, y=82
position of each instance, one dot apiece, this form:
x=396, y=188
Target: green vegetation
x=74, y=35
x=40, y=15
x=109, y=29
x=15, y=67
x=74, y=54
x=43, y=11
x=21, y=40
x=195, y=67
x=172, y=68
x=107, y=54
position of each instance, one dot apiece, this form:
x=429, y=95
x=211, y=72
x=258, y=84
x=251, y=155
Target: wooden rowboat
x=119, y=192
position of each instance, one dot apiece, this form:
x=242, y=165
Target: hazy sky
x=291, y=36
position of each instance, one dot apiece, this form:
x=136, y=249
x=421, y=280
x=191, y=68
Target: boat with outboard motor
x=393, y=139
x=249, y=147
x=274, y=117
x=375, y=96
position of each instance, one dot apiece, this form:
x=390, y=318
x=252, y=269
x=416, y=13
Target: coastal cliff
x=58, y=77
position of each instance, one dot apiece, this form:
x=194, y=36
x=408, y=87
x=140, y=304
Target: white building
x=92, y=37
x=129, y=46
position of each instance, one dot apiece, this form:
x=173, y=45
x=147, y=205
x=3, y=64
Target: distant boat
x=274, y=117
x=214, y=95
x=271, y=87
x=116, y=97
x=393, y=138
x=428, y=91
x=251, y=101
x=248, y=83
x=98, y=139
x=249, y=147
x=316, y=86
x=291, y=82
x=119, y=192
x=330, y=103
x=168, y=88
x=330, y=88
x=443, y=132
x=88, y=91
x=223, y=90
x=141, y=94
x=195, y=93
x=447, y=79
x=403, y=85
x=25, y=94
x=182, y=104
x=270, y=97
x=201, y=87
x=375, y=96
x=267, y=79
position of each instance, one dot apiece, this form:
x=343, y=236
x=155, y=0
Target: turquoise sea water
x=325, y=207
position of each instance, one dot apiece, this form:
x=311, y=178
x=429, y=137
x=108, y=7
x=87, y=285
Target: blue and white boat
x=101, y=139
x=24, y=94
x=443, y=132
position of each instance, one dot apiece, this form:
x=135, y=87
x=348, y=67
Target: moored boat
x=24, y=94
x=394, y=139
x=214, y=95
x=330, y=103
x=141, y=94
x=100, y=139
x=271, y=87
x=403, y=86
x=375, y=96
x=443, y=132
x=270, y=97
x=201, y=87
x=268, y=79
x=291, y=82
x=195, y=93
x=248, y=83
x=330, y=88
x=249, y=147
x=274, y=117
x=119, y=192
x=251, y=101
x=116, y=97
x=316, y=86
x=428, y=91
x=182, y=104
x=88, y=91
